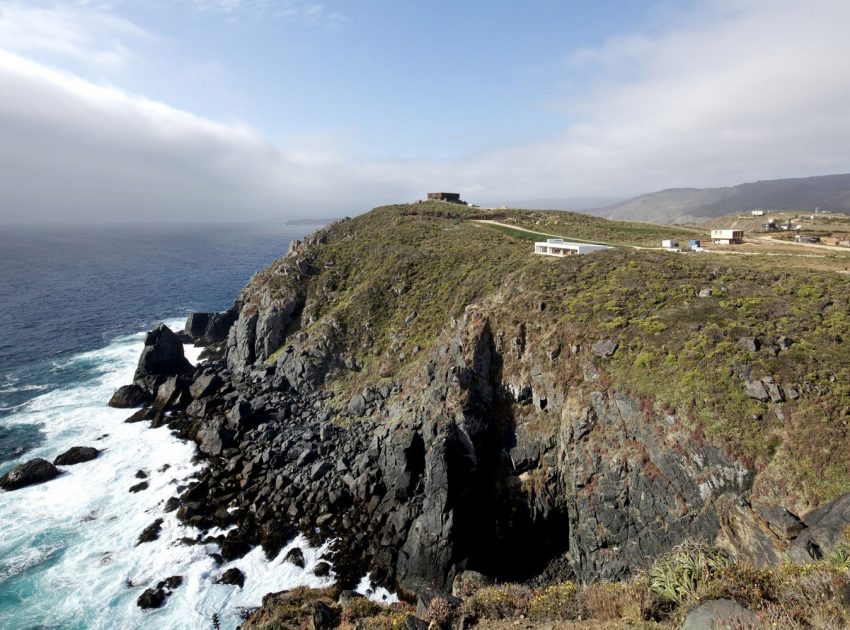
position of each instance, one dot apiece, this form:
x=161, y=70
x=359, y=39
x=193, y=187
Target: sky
x=238, y=110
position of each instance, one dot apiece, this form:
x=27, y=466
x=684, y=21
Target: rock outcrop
x=29, y=473
x=76, y=455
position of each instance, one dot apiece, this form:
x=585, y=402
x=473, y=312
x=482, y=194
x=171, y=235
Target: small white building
x=757, y=213
x=669, y=244
x=727, y=237
x=560, y=248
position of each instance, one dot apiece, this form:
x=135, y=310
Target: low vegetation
x=788, y=596
x=390, y=282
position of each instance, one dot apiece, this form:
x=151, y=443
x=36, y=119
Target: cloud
x=87, y=34
x=78, y=151
x=737, y=90
x=291, y=10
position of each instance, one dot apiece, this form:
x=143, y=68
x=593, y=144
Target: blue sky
x=170, y=109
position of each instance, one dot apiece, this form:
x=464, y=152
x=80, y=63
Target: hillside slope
x=422, y=388
x=679, y=205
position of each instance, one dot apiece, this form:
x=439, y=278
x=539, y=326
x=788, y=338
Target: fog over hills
x=676, y=205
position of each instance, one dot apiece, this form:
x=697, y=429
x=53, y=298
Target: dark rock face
x=150, y=533
x=32, y=472
x=162, y=355
x=155, y=597
x=76, y=455
x=128, y=396
x=232, y=576
x=824, y=529
x=151, y=598
x=209, y=328
x=324, y=617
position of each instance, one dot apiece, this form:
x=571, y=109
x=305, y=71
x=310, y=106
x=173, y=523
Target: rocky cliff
x=436, y=398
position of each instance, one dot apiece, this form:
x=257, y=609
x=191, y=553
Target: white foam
x=375, y=593
x=74, y=538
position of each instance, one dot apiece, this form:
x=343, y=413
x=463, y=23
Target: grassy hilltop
x=389, y=281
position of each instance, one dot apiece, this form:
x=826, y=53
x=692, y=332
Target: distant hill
x=679, y=205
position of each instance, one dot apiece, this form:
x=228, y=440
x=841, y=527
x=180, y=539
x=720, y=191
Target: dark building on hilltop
x=444, y=196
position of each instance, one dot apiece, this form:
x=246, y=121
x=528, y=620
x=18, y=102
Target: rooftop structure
x=560, y=248
x=727, y=237
x=445, y=196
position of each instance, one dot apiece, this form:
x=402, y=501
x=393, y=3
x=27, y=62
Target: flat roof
x=569, y=245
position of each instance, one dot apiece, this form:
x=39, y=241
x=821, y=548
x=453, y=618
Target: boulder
x=756, y=389
x=720, y=613
x=76, y=455
x=155, y=597
x=142, y=485
x=825, y=527
x=205, y=385
x=128, y=396
x=34, y=471
x=150, y=533
x=604, y=348
x=151, y=598
x=780, y=521
x=295, y=556
x=232, y=576
x=324, y=617
x=357, y=406
x=467, y=583
x=750, y=344
x=162, y=355
x=322, y=569
x=240, y=413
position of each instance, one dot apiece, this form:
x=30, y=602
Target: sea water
x=74, y=305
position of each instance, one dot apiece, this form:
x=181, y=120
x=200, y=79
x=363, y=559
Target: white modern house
x=727, y=237
x=560, y=248
x=757, y=213
x=669, y=244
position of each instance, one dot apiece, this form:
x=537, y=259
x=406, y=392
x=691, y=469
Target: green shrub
x=554, y=603
x=676, y=577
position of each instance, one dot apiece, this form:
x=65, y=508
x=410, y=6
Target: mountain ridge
x=686, y=204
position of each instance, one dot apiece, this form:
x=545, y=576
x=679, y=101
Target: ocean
x=74, y=306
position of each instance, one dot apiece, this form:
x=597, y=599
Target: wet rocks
x=295, y=556
x=142, y=485
x=32, y=472
x=322, y=569
x=232, y=576
x=151, y=598
x=128, y=396
x=162, y=355
x=155, y=597
x=150, y=533
x=76, y=455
